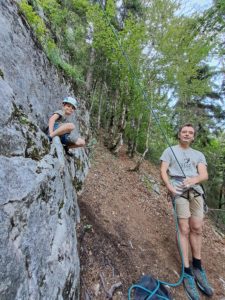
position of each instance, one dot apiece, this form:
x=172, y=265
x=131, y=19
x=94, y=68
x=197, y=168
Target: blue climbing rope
x=154, y=292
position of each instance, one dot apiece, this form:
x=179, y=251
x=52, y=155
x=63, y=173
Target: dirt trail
x=127, y=230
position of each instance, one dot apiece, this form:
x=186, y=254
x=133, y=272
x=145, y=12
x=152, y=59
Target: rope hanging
x=141, y=90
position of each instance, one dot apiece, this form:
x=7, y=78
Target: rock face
x=39, y=211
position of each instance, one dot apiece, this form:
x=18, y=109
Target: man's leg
x=184, y=239
x=183, y=212
x=196, y=225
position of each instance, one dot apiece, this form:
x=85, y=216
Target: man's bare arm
x=165, y=177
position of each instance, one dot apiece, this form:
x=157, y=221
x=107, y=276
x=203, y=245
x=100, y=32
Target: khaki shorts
x=193, y=206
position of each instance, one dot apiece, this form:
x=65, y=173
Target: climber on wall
x=59, y=126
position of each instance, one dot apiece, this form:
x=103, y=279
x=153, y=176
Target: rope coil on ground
x=154, y=292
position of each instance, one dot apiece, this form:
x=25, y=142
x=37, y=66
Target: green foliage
x=34, y=20
x=215, y=154
x=57, y=16
x=184, y=61
x=80, y=7
x=134, y=6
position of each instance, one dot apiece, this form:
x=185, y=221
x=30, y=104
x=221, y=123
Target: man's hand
x=190, y=181
x=203, y=175
x=172, y=190
x=175, y=191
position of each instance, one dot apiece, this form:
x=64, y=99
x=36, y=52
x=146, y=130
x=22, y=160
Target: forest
x=143, y=68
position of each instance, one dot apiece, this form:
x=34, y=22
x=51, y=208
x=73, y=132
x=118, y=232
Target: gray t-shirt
x=62, y=117
x=188, y=159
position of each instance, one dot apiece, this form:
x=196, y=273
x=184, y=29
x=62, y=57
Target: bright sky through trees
x=191, y=6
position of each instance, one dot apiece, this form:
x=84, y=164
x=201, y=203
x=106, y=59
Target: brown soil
x=127, y=230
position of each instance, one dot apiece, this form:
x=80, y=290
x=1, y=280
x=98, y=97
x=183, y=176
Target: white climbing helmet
x=71, y=101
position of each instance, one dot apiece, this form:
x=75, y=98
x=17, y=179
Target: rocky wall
x=38, y=182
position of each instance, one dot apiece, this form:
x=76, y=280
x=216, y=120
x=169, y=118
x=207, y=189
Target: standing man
x=177, y=161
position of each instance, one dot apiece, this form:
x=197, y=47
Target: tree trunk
x=118, y=141
x=132, y=143
x=141, y=159
x=99, y=111
x=93, y=98
x=112, y=122
x=89, y=77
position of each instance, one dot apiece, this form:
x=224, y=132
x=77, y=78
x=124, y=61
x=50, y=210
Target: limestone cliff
x=39, y=211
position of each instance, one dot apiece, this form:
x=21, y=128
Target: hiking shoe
x=190, y=287
x=202, y=282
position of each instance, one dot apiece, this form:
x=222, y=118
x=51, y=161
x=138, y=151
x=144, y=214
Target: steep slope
x=127, y=229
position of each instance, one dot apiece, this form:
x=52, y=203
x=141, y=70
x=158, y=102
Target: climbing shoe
x=190, y=287
x=67, y=150
x=202, y=282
